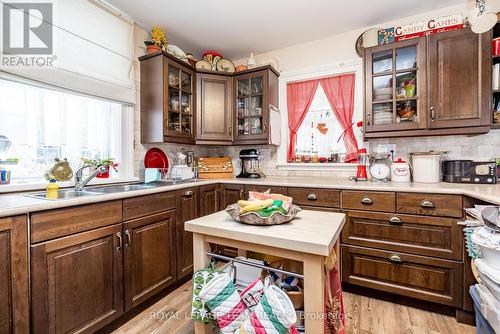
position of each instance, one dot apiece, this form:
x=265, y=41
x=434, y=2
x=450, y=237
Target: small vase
x=251, y=61
x=104, y=175
x=152, y=48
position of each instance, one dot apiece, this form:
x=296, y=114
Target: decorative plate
x=225, y=65
x=253, y=218
x=203, y=65
x=214, y=62
x=177, y=52
x=155, y=158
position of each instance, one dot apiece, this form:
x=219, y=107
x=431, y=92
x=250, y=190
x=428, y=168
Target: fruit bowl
x=253, y=218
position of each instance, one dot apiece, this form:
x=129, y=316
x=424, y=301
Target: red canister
x=496, y=46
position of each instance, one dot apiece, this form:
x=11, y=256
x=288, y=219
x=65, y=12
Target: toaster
x=468, y=171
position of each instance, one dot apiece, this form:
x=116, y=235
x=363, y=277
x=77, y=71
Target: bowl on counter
x=253, y=218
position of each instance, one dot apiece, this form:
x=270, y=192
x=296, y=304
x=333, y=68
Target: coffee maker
x=250, y=164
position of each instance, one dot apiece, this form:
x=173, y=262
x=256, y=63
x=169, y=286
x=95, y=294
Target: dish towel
x=200, y=311
x=275, y=314
x=334, y=305
x=224, y=302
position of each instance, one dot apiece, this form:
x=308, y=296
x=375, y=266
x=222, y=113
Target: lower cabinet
x=187, y=209
x=77, y=281
x=14, y=309
x=231, y=193
x=421, y=277
x=149, y=256
x=209, y=199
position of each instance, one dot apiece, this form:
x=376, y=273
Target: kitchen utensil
x=253, y=218
x=155, y=158
x=400, y=171
x=468, y=171
x=250, y=164
x=225, y=65
x=426, y=166
x=380, y=167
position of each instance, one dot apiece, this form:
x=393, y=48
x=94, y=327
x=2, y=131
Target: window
x=44, y=124
x=318, y=135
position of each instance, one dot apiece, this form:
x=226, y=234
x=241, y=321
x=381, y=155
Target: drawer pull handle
x=395, y=258
x=127, y=243
x=188, y=193
x=366, y=200
x=312, y=197
x=427, y=204
x=395, y=221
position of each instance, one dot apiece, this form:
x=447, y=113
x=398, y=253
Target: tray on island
x=253, y=218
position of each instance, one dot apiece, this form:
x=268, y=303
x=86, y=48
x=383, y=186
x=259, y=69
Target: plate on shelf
x=155, y=158
x=225, y=65
x=203, y=65
x=177, y=52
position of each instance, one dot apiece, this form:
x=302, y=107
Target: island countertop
x=311, y=232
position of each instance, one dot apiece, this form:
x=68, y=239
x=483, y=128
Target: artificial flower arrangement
x=158, y=40
x=96, y=163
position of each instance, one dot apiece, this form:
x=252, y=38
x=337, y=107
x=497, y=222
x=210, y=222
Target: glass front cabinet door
x=254, y=93
x=178, y=108
x=395, y=80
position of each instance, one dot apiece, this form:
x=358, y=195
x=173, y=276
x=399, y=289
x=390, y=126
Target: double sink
x=112, y=189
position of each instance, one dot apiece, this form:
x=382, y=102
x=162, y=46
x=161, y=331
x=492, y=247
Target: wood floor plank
x=364, y=315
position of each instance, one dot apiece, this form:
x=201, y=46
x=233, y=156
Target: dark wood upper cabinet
x=14, y=309
x=209, y=199
x=149, y=256
x=76, y=281
x=425, y=86
x=459, y=79
x=167, y=100
x=214, y=109
x=188, y=209
x=255, y=92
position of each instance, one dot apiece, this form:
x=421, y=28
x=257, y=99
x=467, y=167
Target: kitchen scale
x=380, y=167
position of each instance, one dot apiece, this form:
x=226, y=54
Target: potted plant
x=157, y=41
x=96, y=163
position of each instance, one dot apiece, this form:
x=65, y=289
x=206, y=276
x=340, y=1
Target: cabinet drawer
x=147, y=205
x=419, y=277
x=369, y=200
x=430, y=204
x=62, y=222
x=431, y=236
x=315, y=197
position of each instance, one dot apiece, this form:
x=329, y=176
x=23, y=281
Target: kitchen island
x=309, y=238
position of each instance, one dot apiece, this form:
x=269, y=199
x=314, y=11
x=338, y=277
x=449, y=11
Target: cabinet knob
x=367, y=201
x=433, y=113
x=395, y=221
x=312, y=197
x=188, y=193
x=427, y=204
x=241, y=194
x=395, y=258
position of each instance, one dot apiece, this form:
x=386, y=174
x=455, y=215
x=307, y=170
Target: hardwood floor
x=364, y=315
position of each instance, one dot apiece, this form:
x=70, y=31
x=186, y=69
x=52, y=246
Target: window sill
x=33, y=185
x=317, y=166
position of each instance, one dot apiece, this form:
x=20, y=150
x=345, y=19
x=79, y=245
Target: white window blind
x=94, y=50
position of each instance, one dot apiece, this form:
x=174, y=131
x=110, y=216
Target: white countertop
x=312, y=232
x=13, y=204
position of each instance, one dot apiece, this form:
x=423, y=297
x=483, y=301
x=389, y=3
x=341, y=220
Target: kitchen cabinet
x=167, y=99
x=149, y=256
x=255, y=91
x=14, y=308
x=424, y=87
x=188, y=209
x=230, y=194
x=77, y=281
x=459, y=82
x=214, y=109
x=209, y=199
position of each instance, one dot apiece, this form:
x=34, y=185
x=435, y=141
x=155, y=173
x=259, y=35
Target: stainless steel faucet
x=80, y=182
